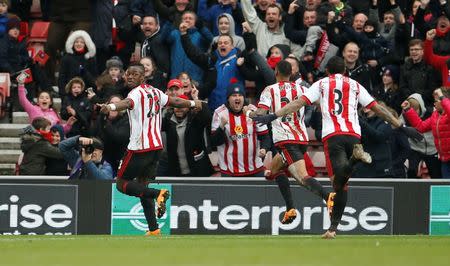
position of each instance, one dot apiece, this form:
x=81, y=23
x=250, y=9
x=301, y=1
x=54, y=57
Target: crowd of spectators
x=399, y=50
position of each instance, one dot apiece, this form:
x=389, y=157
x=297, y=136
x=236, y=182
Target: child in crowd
x=153, y=76
x=56, y=166
x=35, y=144
x=76, y=104
x=43, y=108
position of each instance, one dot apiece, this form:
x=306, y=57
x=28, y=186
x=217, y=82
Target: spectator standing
x=240, y=142
x=187, y=153
x=79, y=60
x=438, y=123
x=439, y=62
x=153, y=76
x=3, y=16
x=153, y=45
x=56, y=166
x=422, y=150
x=77, y=104
x=226, y=26
x=418, y=76
x=113, y=129
x=35, y=144
x=43, y=108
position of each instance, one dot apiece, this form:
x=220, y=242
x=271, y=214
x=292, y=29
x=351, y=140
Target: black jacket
x=155, y=48
x=83, y=109
x=115, y=135
x=419, y=78
x=36, y=151
x=195, y=148
x=376, y=136
x=75, y=65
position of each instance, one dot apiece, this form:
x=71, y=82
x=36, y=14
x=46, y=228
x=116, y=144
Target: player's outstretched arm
x=386, y=115
x=182, y=103
x=122, y=105
x=293, y=106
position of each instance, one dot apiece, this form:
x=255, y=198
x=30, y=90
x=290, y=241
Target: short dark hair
x=151, y=16
x=40, y=123
x=415, y=42
x=284, y=68
x=138, y=65
x=226, y=35
x=336, y=65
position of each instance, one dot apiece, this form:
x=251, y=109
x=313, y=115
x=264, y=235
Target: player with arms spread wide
x=138, y=166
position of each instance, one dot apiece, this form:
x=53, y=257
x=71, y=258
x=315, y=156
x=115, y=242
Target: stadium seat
x=35, y=10
x=5, y=84
x=24, y=31
x=39, y=32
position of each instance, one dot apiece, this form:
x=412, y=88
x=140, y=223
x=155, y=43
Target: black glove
x=249, y=40
x=411, y=133
x=264, y=119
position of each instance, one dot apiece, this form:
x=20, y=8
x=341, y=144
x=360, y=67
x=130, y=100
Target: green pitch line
x=224, y=250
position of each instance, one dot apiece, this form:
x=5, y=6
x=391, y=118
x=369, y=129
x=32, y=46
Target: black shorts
x=291, y=153
x=338, y=150
x=138, y=165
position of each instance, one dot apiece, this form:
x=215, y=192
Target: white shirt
x=339, y=97
x=145, y=118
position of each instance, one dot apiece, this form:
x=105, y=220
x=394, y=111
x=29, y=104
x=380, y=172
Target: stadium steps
x=20, y=118
x=7, y=168
x=9, y=156
x=9, y=143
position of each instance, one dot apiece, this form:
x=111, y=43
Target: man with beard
x=153, y=45
x=144, y=106
x=240, y=142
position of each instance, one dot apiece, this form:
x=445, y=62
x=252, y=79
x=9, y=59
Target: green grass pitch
x=224, y=250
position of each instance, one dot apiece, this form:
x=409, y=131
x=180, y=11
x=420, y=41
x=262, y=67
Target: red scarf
x=46, y=135
x=323, y=48
x=273, y=61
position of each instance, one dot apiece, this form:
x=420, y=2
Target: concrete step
x=7, y=168
x=20, y=118
x=9, y=156
x=11, y=130
x=9, y=143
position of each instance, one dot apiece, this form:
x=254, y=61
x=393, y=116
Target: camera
x=88, y=149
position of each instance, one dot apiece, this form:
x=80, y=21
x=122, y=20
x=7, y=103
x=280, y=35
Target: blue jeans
x=445, y=168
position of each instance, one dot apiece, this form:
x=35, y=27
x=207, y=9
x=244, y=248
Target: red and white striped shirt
x=339, y=97
x=290, y=128
x=145, y=118
x=238, y=156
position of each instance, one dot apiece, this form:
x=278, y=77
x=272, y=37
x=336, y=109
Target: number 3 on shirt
x=338, y=107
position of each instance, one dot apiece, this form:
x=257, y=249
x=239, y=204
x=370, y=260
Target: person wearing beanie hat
x=14, y=56
x=388, y=91
x=186, y=151
x=114, y=67
x=233, y=132
x=235, y=88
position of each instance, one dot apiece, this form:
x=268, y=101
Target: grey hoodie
x=426, y=145
x=238, y=41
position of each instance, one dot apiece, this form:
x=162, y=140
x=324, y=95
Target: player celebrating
x=138, y=166
x=289, y=132
x=339, y=97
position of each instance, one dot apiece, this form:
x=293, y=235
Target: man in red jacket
x=439, y=62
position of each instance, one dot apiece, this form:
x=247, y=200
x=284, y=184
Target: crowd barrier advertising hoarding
x=256, y=209
x=128, y=218
x=38, y=209
x=440, y=210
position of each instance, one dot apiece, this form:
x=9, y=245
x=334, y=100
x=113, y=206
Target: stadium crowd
x=225, y=52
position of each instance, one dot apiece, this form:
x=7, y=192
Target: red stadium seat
x=5, y=84
x=24, y=31
x=39, y=32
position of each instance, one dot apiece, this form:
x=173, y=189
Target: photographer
x=85, y=157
